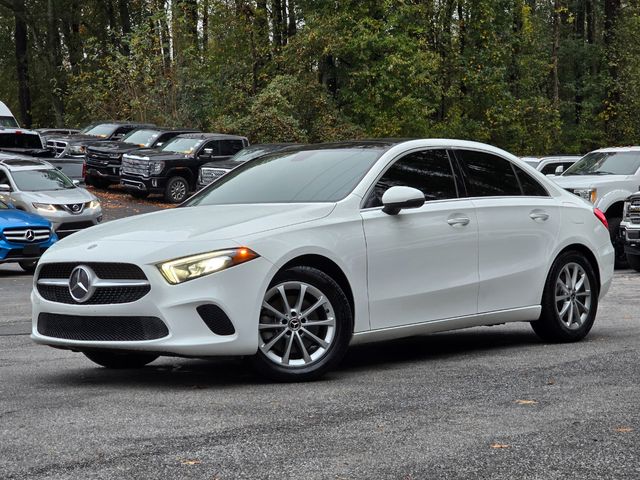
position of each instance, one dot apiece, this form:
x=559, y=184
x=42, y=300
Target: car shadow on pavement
x=182, y=373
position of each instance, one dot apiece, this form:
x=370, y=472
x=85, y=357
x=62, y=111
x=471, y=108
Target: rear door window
x=230, y=147
x=488, y=175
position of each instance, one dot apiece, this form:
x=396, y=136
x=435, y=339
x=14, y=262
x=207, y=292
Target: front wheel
x=569, y=301
x=305, y=326
x=119, y=360
x=28, y=266
x=176, y=190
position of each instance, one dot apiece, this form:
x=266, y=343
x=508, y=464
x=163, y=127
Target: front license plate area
x=31, y=251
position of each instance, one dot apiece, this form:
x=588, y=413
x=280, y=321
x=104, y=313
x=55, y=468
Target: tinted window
x=230, y=147
x=20, y=140
x=488, y=175
x=102, y=130
x=551, y=167
x=8, y=122
x=323, y=175
x=3, y=178
x=530, y=185
x=429, y=171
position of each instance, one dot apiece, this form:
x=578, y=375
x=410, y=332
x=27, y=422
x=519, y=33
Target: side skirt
x=523, y=314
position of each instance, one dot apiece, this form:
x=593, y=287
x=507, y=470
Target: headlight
x=589, y=194
x=187, y=268
x=77, y=149
x=94, y=204
x=156, y=167
x=45, y=207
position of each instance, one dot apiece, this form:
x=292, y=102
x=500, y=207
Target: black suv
x=103, y=160
x=211, y=171
x=173, y=168
x=73, y=146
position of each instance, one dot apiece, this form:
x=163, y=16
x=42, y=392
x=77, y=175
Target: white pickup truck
x=606, y=178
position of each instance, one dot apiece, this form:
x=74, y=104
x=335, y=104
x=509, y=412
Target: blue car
x=23, y=237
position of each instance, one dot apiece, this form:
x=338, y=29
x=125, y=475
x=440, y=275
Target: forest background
x=531, y=76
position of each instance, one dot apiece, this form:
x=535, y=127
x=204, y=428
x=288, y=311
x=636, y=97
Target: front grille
x=57, y=147
x=134, y=166
x=102, y=295
x=106, y=271
x=215, y=318
x=208, y=175
x=101, y=329
x=68, y=228
x=101, y=159
x=27, y=235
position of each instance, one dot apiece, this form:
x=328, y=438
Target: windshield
x=249, y=153
x=142, y=138
x=41, y=180
x=20, y=140
x=8, y=122
x=102, y=130
x=292, y=177
x=606, y=163
x=182, y=145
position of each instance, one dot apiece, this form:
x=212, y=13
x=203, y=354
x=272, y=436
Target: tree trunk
x=276, y=22
x=22, y=64
x=55, y=63
x=555, y=81
x=611, y=11
x=205, y=26
x=578, y=61
x=292, y=18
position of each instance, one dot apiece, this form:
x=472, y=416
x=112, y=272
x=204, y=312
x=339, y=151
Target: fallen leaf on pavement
x=624, y=429
x=190, y=462
x=500, y=445
x=526, y=402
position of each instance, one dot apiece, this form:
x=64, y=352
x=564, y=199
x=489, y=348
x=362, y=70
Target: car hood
x=113, y=147
x=71, y=195
x=205, y=223
x=17, y=218
x=587, y=181
x=78, y=138
x=159, y=155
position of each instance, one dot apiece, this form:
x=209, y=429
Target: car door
x=423, y=262
x=518, y=223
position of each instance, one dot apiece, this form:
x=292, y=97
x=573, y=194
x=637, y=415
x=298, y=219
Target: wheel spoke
x=305, y=354
x=270, y=326
x=287, y=353
x=586, y=293
x=303, y=290
x=582, y=305
x=576, y=313
x=313, y=307
x=574, y=276
x=580, y=281
x=278, y=314
x=316, y=339
x=273, y=341
x=570, y=316
x=564, y=287
x=562, y=297
x=283, y=294
x=564, y=309
x=321, y=323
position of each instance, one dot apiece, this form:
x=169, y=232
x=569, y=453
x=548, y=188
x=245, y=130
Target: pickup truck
x=606, y=178
x=172, y=170
x=104, y=159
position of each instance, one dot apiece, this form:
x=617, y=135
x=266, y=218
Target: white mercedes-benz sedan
x=294, y=256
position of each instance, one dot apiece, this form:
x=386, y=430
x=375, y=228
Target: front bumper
x=143, y=184
x=631, y=239
x=11, y=252
x=64, y=223
x=109, y=172
x=237, y=291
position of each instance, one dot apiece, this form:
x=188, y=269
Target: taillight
x=598, y=213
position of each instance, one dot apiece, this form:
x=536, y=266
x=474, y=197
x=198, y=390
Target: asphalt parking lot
x=489, y=402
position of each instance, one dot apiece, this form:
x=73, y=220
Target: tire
x=634, y=261
x=100, y=183
x=140, y=195
x=313, y=349
x=618, y=242
x=556, y=326
x=28, y=267
x=177, y=190
x=120, y=360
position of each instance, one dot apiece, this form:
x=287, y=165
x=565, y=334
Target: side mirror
x=400, y=198
x=76, y=182
x=208, y=152
x=559, y=169
x=5, y=187
x=159, y=144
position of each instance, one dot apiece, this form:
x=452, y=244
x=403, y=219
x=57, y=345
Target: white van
x=6, y=117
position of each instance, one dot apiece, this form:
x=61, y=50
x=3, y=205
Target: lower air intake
x=216, y=319
x=101, y=329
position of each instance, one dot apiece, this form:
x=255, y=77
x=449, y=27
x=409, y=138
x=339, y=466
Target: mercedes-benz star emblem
x=81, y=282
x=29, y=235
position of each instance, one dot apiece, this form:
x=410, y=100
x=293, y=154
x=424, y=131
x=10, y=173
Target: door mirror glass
x=559, y=169
x=5, y=187
x=400, y=198
x=76, y=182
x=208, y=152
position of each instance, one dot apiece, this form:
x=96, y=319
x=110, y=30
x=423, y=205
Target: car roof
x=630, y=148
x=14, y=164
x=207, y=136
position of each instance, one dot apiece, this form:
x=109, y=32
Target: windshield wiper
x=603, y=172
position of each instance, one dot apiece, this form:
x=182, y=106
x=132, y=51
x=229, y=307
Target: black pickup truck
x=172, y=169
x=103, y=160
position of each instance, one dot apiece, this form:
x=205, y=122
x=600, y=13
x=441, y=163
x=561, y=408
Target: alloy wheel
x=178, y=190
x=297, y=324
x=573, y=296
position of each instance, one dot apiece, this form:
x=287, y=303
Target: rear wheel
x=569, y=301
x=305, y=326
x=176, y=190
x=28, y=267
x=634, y=261
x=120, y=360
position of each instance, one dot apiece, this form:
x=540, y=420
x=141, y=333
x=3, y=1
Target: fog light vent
x=216, y=319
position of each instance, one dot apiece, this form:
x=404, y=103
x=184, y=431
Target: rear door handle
x=458, y=221
x=539, y=216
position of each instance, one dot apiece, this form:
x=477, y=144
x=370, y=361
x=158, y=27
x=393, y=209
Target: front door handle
x=458, y=221
x=539, y=216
